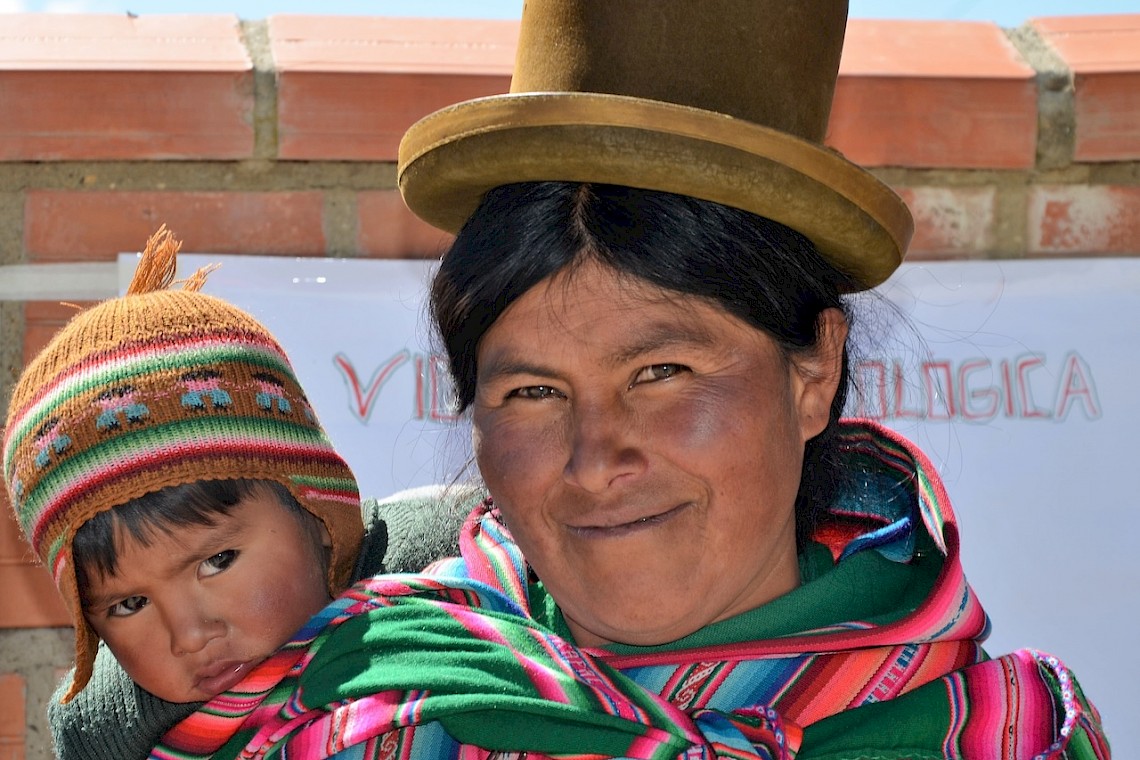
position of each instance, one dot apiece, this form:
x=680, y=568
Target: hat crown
x=162, y=315
x=770, y=62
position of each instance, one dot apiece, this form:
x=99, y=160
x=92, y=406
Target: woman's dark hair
x=759, y=270
x=190, y=504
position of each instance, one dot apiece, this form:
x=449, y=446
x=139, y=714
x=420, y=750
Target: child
x=164, y=464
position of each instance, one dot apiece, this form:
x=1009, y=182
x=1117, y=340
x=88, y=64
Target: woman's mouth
x=619, y=530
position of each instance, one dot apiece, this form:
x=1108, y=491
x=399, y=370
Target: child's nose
x=190, y=633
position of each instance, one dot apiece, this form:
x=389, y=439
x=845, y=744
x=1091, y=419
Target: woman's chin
x=638, y=623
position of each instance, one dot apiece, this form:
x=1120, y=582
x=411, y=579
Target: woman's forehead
x=608, y=321
x=587, y=282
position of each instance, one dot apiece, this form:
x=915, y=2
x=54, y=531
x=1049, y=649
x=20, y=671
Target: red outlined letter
x=1025, y=392
x=937, y=391
x=872, y=376
x=1077, y=387
x=900, y=411
x=362, y=399
x=968, y=393
x=440, y=392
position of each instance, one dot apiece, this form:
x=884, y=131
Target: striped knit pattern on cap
x=154, y=390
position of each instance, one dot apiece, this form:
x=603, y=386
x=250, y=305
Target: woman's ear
x=819, y=372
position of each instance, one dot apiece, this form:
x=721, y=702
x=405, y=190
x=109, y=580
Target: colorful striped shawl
x=453, y=664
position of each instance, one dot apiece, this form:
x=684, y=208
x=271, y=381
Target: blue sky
x=1002, y=12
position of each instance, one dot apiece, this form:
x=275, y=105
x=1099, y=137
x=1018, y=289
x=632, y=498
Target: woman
x=684, y=550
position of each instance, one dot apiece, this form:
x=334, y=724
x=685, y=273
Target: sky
x=1006, y=13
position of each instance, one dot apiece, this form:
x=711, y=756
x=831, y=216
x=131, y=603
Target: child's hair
x=95, y=546
x=161, y=388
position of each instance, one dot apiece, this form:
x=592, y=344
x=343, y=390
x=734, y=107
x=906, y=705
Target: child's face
x=192, y=613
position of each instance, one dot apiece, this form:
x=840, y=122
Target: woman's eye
x=536, y=392
x=127, y=607
x=219, y=562
x=659, y=372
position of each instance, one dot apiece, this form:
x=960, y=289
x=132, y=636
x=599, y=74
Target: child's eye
x=659, y=372
x=536, y=392
x=127, y=607
x=219, y=562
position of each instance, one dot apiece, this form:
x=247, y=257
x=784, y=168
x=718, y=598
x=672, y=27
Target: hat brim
x=451, y=158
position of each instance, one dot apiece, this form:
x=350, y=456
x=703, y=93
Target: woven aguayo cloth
x=877, y=655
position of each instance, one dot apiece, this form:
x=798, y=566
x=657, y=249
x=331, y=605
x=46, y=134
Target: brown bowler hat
x=724, y=100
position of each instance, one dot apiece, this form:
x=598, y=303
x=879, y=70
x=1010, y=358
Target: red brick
x=349, y=87
x=109, y=86
x=42, y=320
x=388, y=230
x=13, y=716
x=951, y=221
x=30, y=597
x=907, y=96
x=14, y=550
x=1078, y=219
x=1103, y=53
x=79, y=226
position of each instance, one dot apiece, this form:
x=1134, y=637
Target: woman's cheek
x=692, y=419
x=507, y=446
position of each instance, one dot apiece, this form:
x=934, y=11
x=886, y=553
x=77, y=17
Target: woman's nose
x=603, y=448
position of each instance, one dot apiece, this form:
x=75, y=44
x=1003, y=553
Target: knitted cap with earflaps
x=161, y=388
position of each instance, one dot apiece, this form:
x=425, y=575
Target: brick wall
x=279, y=137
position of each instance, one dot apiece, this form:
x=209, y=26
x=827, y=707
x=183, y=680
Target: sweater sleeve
x=111, y=718
x=418, y=526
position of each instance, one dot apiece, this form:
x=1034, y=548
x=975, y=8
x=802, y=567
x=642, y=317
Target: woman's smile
x=624, y=527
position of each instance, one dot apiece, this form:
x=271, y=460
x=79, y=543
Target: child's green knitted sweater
x=113, y=719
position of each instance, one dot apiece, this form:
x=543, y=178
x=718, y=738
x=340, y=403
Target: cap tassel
x=158, y=263
x=195, y=281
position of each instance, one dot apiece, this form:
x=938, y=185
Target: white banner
x=1016, y=378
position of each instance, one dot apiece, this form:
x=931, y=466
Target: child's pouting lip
x=220, y=676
